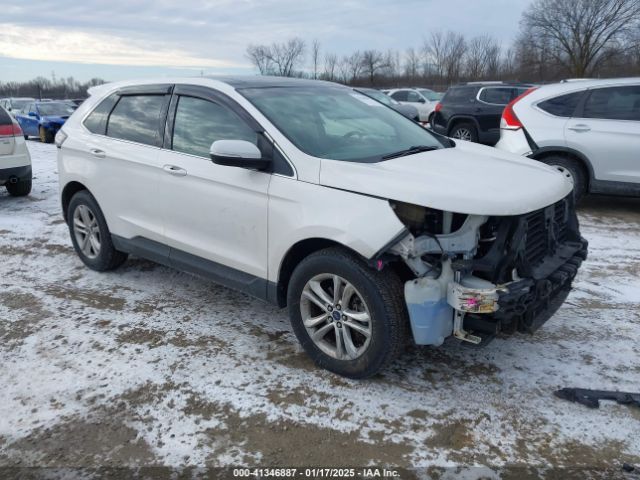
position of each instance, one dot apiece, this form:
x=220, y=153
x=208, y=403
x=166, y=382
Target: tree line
x=557, y=39
x=55, y=88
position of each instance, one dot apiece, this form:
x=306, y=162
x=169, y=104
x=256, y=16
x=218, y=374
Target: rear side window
x=5, y=119
x=96, y=122
x=496, y=96
x=136, y=118
x=400, y=96
x=200, y=122
x=614, y=103
x=458, y=94
x=562, y=106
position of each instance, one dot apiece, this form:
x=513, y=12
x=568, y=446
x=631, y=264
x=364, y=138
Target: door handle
x=96, y=152
x=580, y=128
x=174, y=170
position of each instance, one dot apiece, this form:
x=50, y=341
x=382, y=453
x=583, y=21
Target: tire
x=464, y=131
x=20, y=189
x=376, y=295
x=45, y=136
x=103, y=257
x=572, y=170
x=26, y=137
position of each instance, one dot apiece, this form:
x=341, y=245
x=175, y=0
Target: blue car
x=43, y=119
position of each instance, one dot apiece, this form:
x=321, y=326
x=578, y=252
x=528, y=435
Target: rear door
x=212, y=211
x=606, y=130
x=122, y=159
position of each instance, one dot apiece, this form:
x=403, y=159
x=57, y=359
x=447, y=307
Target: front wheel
x=349, y=318
x=21, y=188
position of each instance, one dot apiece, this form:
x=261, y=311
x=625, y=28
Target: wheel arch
x=298, y=252
x=545, y=152
x=69, y=190
x=455, y=120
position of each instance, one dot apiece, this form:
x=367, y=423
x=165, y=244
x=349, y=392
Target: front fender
x=361, y=223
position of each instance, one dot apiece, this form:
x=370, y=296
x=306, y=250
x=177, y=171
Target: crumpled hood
x=54, y=119
x=470, y=178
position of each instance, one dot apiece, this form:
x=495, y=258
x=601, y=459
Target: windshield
x=55, y=109
x=338, y=123
x=430, y=95
x=381, y=97
x=19, y=104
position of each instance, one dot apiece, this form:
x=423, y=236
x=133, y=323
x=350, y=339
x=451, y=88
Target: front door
x=212, y=212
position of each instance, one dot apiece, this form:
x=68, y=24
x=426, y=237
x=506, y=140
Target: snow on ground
x=149, y=366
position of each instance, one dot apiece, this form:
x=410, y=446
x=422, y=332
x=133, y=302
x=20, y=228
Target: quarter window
x=200, y=122
x=413, y=97
x=400, y=96
x=96, y=122
x=562, y=106
x=614, y=103
x=137, y=118
x=496, y=96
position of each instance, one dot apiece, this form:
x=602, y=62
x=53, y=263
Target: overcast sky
x=124, y=38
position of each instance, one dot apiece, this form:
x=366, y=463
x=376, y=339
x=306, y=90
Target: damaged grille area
x=546, y=231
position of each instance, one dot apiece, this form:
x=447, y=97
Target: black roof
x=259, y=81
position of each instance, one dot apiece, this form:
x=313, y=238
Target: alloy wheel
x=336, y=317
x=462, y=134
x=87, y=231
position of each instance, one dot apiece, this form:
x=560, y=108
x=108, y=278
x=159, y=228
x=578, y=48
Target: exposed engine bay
x=475, y=276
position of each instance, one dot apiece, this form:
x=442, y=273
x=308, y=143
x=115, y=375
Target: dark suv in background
x=472, y=111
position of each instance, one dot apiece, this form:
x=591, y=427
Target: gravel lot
x=146, y=366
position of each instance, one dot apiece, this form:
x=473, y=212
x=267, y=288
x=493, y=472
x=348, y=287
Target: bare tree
x=372, y=62
x=578, y=32
x=351, y=67
x=482, y=57
x=260, y=56
x=278, y=58
x=330, y=66
x=286, y=56
x=446, y=51
x=412, y=61
x=315, y=57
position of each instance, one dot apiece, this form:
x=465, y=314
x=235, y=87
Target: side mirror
x=422, y=100
x=33, y=114
x=237, y=153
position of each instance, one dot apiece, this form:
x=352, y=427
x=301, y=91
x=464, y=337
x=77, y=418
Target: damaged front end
x=475, y=276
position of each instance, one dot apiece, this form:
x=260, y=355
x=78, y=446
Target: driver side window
x=413, y=97
x=199, y=123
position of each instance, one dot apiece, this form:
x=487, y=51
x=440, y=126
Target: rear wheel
x=90, y=235
x=572, y=170
x=19, y=189
x=349, y=318
x=45, y=136
x=464, y=131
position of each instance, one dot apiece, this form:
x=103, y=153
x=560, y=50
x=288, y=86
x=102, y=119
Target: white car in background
x=588, y=129
x=15, y=161
x=423, y=99
x=312, y=196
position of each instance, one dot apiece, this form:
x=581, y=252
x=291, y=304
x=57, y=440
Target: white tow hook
x=470, y=295
x=459, y=332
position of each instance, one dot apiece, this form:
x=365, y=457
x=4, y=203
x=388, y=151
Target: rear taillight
x=510, y=120
x=60, y=138
x=12, y=130
x=438, y=107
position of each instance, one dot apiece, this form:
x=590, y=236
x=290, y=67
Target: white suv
x=588, y=129
x=313, y=196
x=423, y=99
x=15, y=161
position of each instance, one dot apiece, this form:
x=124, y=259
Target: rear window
x=562, y=106
x=96, y=122
x=496, y=95
x=5, y=118
x=136, y=118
